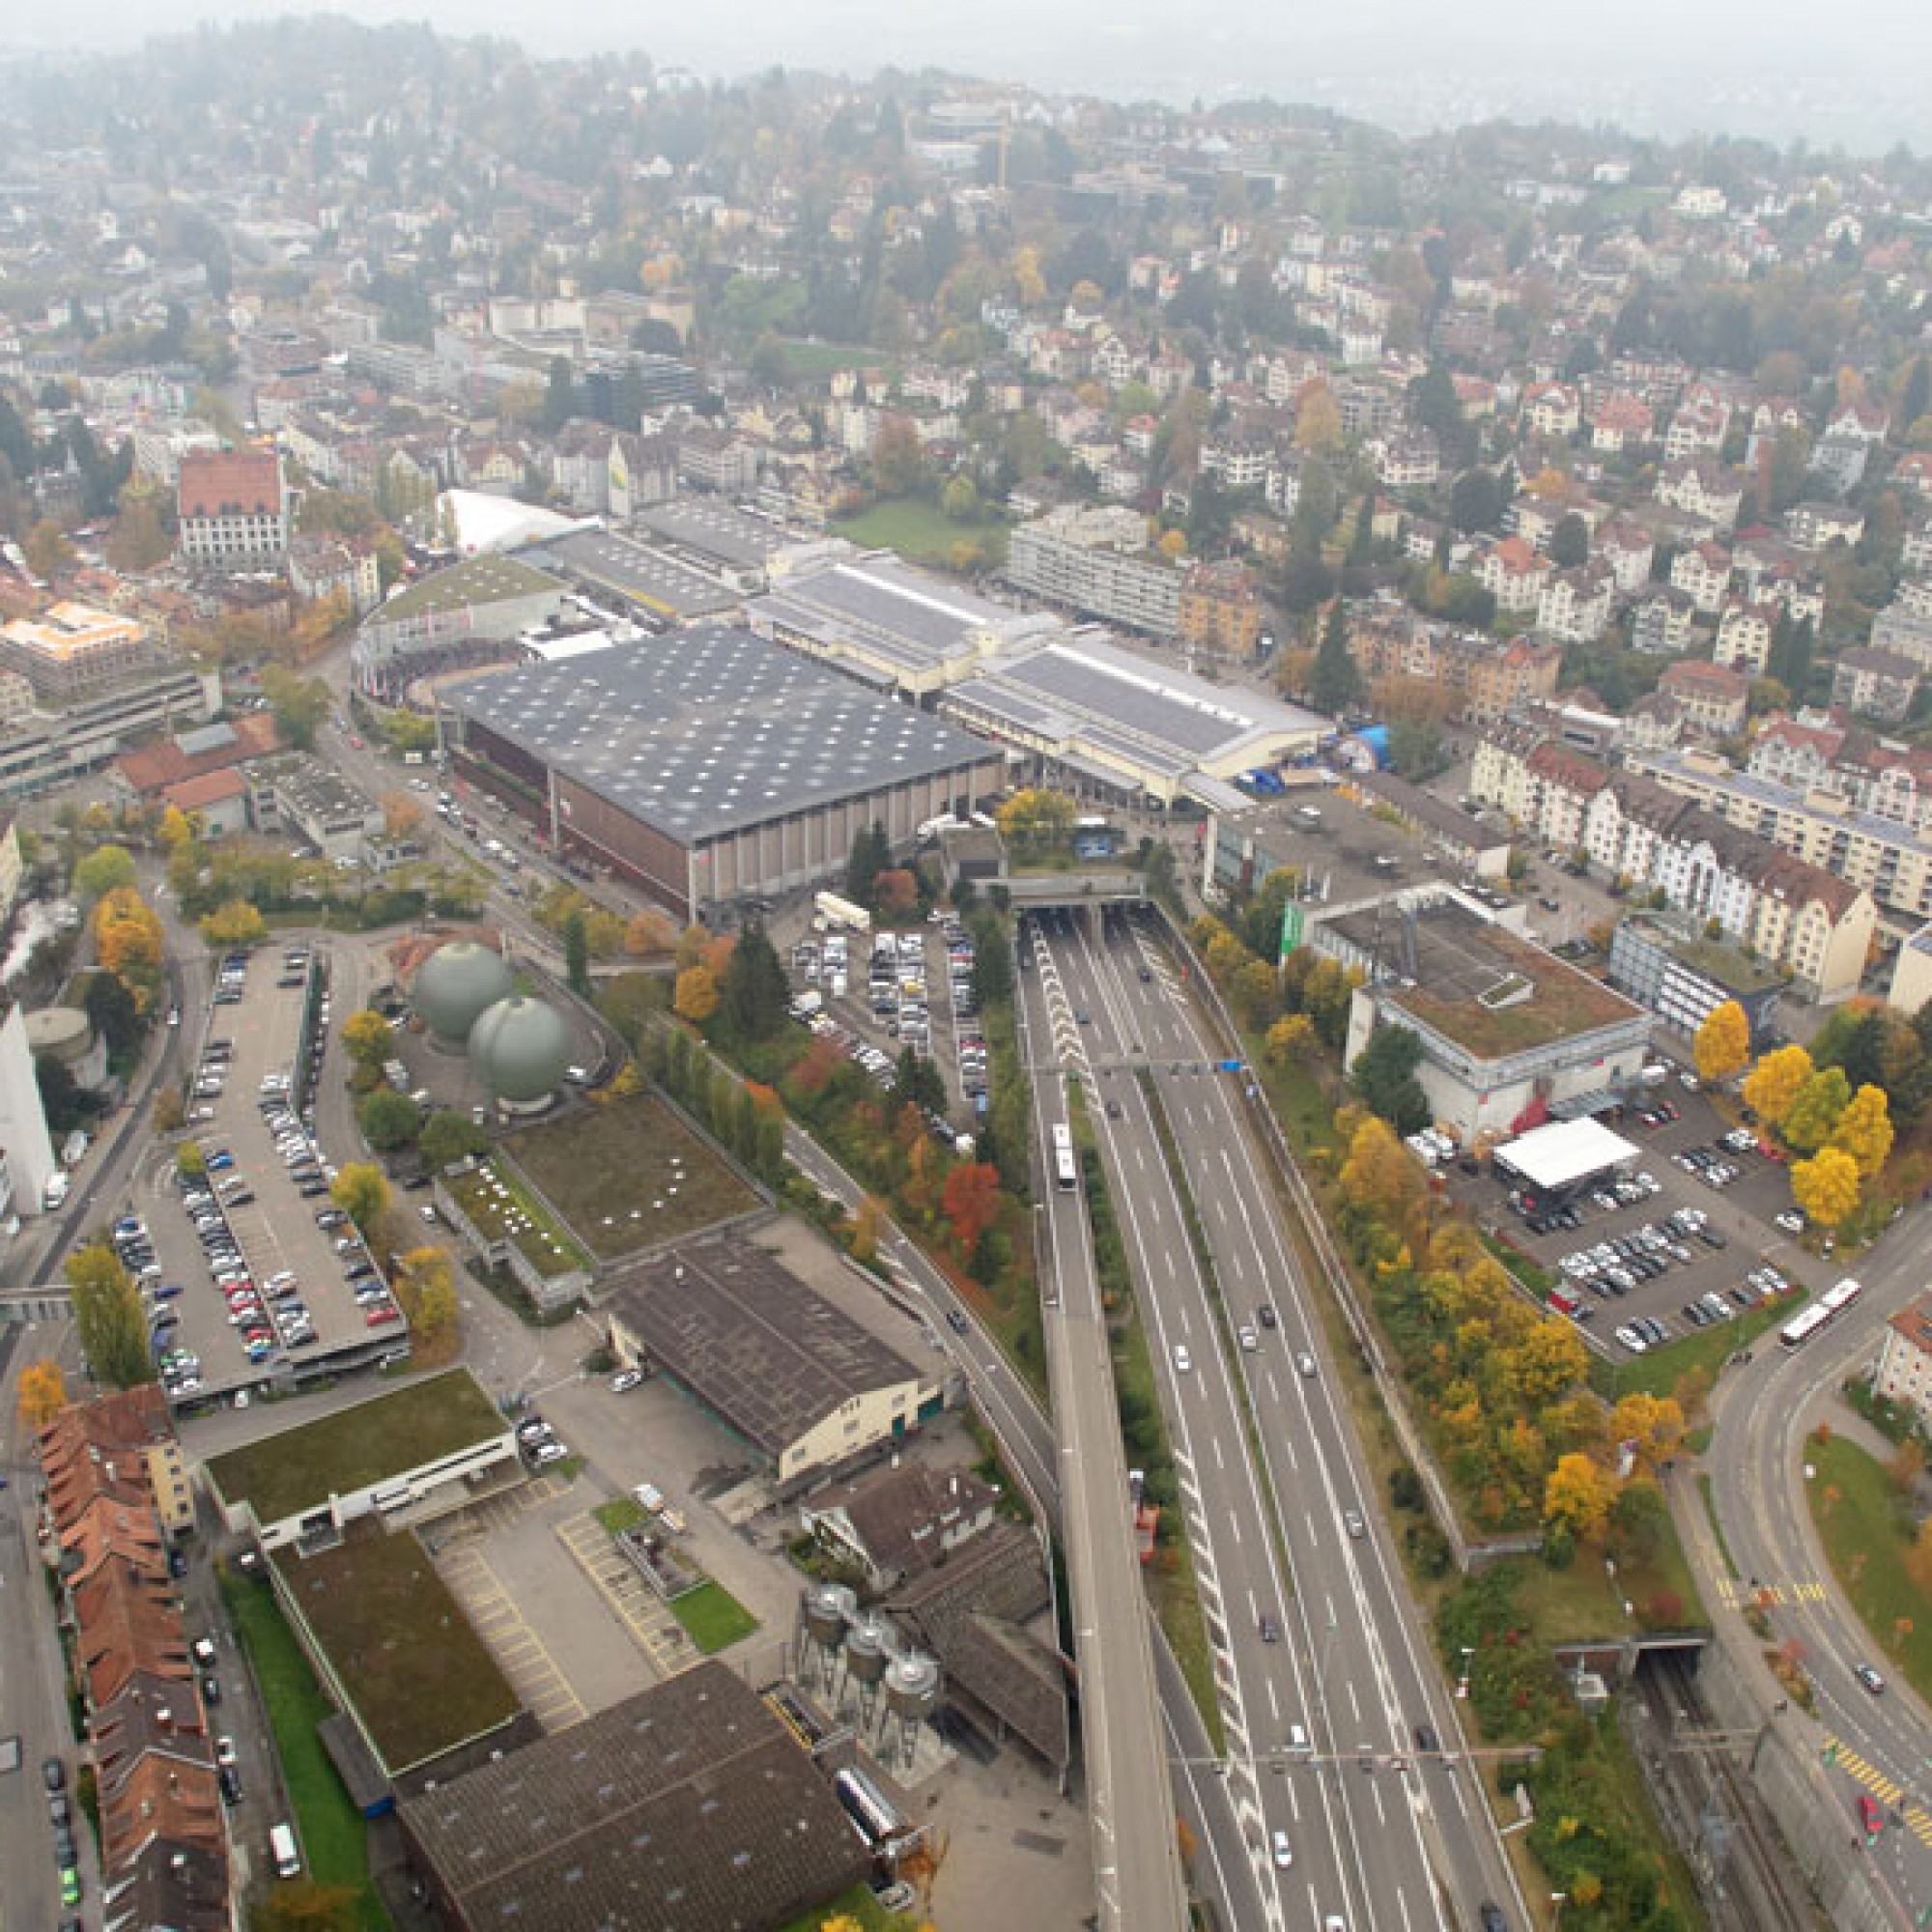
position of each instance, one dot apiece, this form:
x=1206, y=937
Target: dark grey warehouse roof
x=705, y=731
x=685, y=1808
x=716, y=530
x=755, y=1342
x=636, y=571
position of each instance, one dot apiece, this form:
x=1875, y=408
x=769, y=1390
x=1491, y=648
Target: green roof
x=1730, y=968
x=366, y=1443
x=476, y=579
x=420, y=1677
x=502, y=1206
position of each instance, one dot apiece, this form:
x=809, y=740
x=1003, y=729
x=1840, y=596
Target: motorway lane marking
x=1219, y=1461
x=1234, y=1523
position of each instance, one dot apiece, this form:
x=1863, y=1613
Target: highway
x=1381, y=1832
x=1763, y=1409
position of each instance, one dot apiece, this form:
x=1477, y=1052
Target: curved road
x=1763, y=1410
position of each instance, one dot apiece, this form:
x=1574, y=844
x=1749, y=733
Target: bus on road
x=1065, y=1175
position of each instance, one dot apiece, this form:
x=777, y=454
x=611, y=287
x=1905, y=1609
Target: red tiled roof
x=245, y=482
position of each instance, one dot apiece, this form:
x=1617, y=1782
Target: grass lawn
x=827, y=358
x=357, y=1446
x=422, y=1678
x=501, y=1208
x=1583, y=1602
x=713, y=1617
x=629, y=1175
x=334, y=1841
x=621, y=1513
x=1660, y=1371
x=1865, y=1527
x=921, y=535
x=1533, y=1275
x=1717, y=1527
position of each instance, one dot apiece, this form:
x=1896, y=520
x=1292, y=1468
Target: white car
x=1182, y=1360
x=1791, y=1223
x=1632, y=1341
x=626, y=1379
x=1284, y=1852
x=1248, y=1340
x=225, y=1752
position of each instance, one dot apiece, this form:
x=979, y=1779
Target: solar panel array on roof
x=712, y=730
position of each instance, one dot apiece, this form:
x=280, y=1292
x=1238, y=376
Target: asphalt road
x=1382, y=1833
x=1763, y=1410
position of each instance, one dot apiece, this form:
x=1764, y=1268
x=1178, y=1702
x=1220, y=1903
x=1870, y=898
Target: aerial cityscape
x=943, y=1002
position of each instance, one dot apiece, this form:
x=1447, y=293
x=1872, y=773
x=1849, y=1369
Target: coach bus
x=1065, y=1175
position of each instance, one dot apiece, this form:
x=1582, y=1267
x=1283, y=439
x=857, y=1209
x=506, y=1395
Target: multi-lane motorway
x=1362, y=1824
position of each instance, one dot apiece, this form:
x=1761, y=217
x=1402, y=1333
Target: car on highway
x=1870, y=1679
x=957, y=1321
x=1182, y=1360
x=1270, y=1629
x=1492, y=1916
x=1426, y=1739
x=1870, y=1818
x=1248, y=1339
x=1284, y=1852
x=1305, y=1363
x=1264, y=1313
x=1351, y=1521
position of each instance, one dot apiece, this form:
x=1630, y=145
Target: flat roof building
x=795, y=1376
x=1105, y=720
x=709, y=766
x=1511, y=1035
x=650, y=580
x=71, y=650
x=687, y=1805
x=882, y=621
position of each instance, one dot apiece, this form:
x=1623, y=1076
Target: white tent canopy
x=1565, y=1152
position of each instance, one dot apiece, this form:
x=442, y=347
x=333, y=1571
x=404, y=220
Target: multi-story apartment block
x=1711, y=699
x=1221, y=609
x=1095, y=562
x=234, y=510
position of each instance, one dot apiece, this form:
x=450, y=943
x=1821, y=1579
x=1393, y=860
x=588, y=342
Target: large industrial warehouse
x=710, y=767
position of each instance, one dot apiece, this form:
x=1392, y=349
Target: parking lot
x=900, y=1000
x=1689, y=1240
x=251, y=1275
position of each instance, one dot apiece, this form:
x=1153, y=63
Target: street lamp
x=1559, y=1899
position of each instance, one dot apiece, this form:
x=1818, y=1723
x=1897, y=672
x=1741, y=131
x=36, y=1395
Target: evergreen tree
x=1334, y=683
x=576, y=953
x=871, y=853
x=1914, y=397
x=754, y=994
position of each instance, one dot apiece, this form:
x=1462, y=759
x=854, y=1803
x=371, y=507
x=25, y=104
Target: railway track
x=1701, y=1777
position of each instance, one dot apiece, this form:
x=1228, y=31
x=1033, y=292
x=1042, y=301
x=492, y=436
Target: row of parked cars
x=972, y=1042
x=540, y=1443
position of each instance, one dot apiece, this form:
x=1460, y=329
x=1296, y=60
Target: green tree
x=1334, y=682
x=115, y=1014
x=1476, y=501
x=108, y=1313
x=754, y=994
x=107, y=869
x=1814, y=1114
x=62, y=1099
x=916, y=1079
x=298, y=703
x=362, y=1193
x=389, y=1120
x=447, y=1137
x=576, y=952
x=871, y=853
x=1569, y=542
x=1383, y=1076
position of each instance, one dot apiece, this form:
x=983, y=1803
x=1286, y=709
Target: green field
x=828, y=358
x=422, y=1678
x=303, y=1468
x=1867, y=1528
x=630, y=1174
x=333, y=1838
x=921, y=535
x=712, y=1617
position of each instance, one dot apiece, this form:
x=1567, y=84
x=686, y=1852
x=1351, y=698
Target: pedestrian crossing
x=1887, y=1790
x=1735, y=1595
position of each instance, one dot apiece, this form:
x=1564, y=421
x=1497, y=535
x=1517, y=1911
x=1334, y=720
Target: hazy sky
x=1851, y=73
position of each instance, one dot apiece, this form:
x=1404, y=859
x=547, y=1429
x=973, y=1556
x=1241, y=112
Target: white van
x=282, y=1844
x=1298, y=1742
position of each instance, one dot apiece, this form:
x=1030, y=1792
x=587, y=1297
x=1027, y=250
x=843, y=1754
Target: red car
x=376, y=1317
x=1771, y=1150
x=1870, y=1815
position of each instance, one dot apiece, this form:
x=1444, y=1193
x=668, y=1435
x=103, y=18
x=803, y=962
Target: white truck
x=836, y=914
